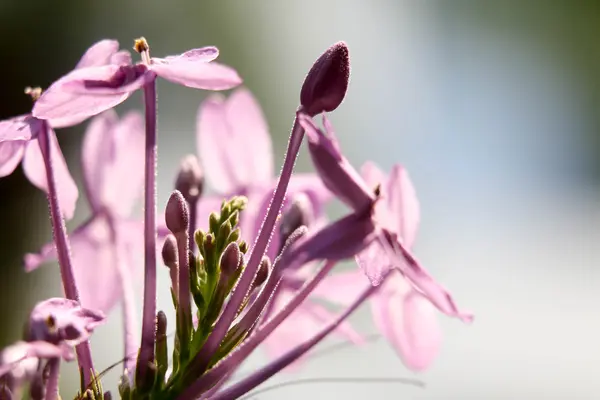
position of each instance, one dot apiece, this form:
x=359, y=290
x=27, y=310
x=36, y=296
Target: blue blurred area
x=492, y=106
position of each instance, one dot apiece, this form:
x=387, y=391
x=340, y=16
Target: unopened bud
x=231, y=259
x=298, y=214
x=190, y=179
x=263, y=271
x=177, y=215
x=169, y=252
x=327, y=81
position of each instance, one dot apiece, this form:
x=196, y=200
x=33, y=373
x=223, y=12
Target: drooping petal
x=60, y=320
x=21, y=358
x=35, y=170
x=374, y=262
x=403, y=205
x=97, y=149
x=22, y=127
x=100, y=53
x=409, y=322
x=196, y=73
x=11, y=154
x=334, y=169
x=213, y=144
x=341, y=288
x=250, y=135
x=113, y=159
x=89, y=91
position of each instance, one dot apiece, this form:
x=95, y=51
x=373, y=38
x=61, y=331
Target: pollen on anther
x=33, y=92
x=140, y=45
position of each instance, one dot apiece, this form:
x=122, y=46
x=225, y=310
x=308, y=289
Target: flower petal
x=409, y=322
x=196, y=73
x=374, y=263
x=89, y=91
x=11, y=154
x=334, y=169
x=213, y=144
x=403, y=204
x=60, y=320
x=22, y=127
x=100, y=53
x=203, y=54
x=97, y=149
x=249, y=139
x=341, y=288
x=113, y=159
x=21, y=358
x=35, y=170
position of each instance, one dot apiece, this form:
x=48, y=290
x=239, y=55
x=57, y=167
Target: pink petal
x=11, y=154
x=23, y=127
x=97, y=149
x=403, y=204
x=213, y=141
x=409, y=321
x=122, y=57
x=341, y=288
x=194, y=73
x=374, y=263
x=113, y=161
x=203, y=54
x=89, y=91
x=98, y=54
x=47, y=253
x=35, y=170
x=249, y=137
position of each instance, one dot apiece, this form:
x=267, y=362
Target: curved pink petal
x=22, y=127
x=202, y=54
x=35, y=170
x=47, y=253
x=249, y=139
x=197, y=74
x=409, y=322
x=122, y=57
x=11, y=154
x=213, y=144
x=98, y=54
x=97, y=149
x=89, y=91
x=123, y=165
x=403, y=204
x=374, y=263
x=341, y=288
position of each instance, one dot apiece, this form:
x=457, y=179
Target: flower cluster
x=249, y=265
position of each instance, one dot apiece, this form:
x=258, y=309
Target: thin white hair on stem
x=307, y=381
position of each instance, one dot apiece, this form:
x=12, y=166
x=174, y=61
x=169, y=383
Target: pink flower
x=112, y=163
x=89, y=91
x=19, y=137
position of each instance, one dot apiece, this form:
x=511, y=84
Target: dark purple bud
x=190, y=179
x=169, y=252
x=298, y=214
x=231, y=259
x=177, y=215
x=327, y=81
x=263, y=271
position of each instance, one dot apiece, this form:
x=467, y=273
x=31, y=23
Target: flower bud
x=169, y=252
x=327, y=81
x=231, y=259
x=190, y=179
x=177, y=215
x=263, y=271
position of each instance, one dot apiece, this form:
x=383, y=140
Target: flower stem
x=128, y=300
x=146, y=354
x=258, y=377
x=264, y=236
x=215, y=374
x=63, y=250
x=53, y=376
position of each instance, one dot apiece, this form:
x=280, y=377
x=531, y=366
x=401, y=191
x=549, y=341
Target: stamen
x=141, y=46
x=33, y=92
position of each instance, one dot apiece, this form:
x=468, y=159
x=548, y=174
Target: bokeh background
x=494, y=108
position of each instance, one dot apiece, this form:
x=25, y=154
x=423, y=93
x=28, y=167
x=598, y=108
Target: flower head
x=89, y=91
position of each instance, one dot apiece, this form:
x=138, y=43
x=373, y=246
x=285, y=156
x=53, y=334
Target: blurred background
x=494, y=108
